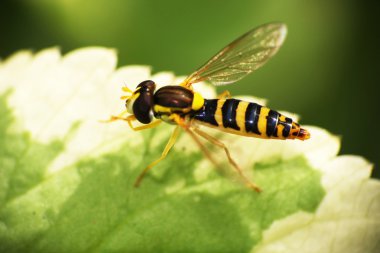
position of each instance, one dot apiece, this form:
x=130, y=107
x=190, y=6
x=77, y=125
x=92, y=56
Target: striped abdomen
x=249, y=119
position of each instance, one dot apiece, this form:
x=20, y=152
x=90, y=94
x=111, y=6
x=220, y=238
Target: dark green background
x=327, y=71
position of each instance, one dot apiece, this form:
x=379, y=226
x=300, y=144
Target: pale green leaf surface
x=66, y=179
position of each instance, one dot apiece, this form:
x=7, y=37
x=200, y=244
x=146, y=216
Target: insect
x=187, y=109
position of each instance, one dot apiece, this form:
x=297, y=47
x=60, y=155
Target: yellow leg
x=169, y=145
x=131, y=118
x=202, y=147
x=224, y=95
x=180, y=121
x=216, y=142
x=114, y=118
x=150, y=125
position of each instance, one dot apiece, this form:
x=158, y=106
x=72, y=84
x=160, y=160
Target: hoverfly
x=187, y=109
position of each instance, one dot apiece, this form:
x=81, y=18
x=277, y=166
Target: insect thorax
x=172, y=99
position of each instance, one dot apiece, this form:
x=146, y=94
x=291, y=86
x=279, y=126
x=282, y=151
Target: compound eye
x=142, y=108
x=147, y=85
x=143, y=104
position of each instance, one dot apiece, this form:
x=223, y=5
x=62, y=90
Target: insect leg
x=118, y=117
x=186, y=127
x=150, y=125
x=224, y=95
x=202, y=147
x=131, y=118
x=168, y=146
x=216, y=142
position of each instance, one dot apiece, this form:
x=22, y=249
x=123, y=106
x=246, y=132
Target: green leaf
x=70, y=188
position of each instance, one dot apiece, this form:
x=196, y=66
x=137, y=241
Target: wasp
x=187, y=109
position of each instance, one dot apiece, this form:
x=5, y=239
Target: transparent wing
x=242, y=56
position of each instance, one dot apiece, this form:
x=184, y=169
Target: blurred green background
x=327, y=71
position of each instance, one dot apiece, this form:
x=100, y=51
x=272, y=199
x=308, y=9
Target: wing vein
x=242, y=56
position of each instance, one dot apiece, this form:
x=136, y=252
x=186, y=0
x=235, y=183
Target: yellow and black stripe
x=248, y=119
